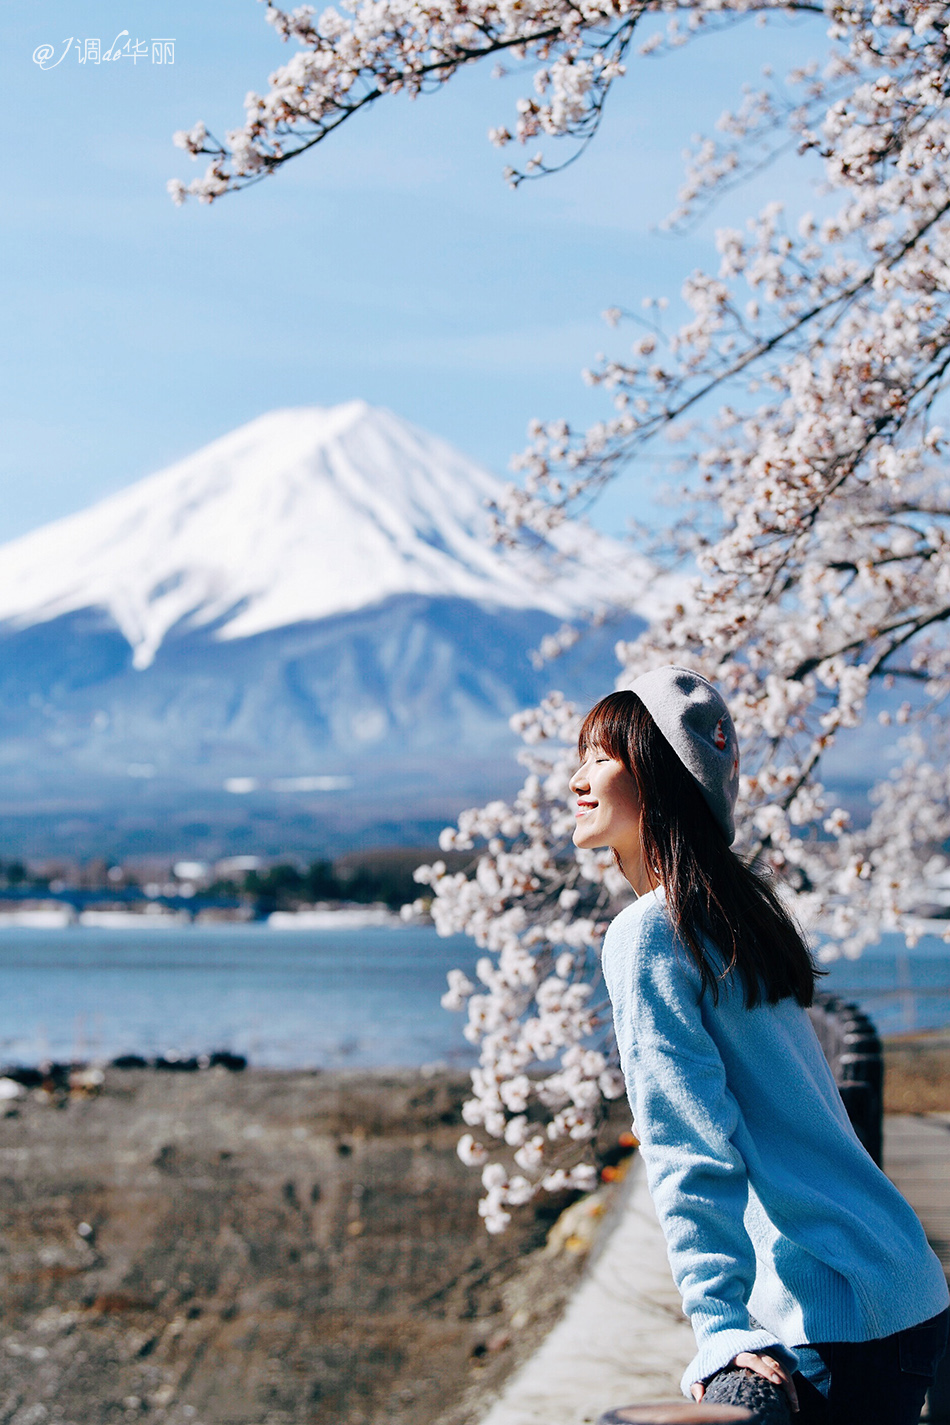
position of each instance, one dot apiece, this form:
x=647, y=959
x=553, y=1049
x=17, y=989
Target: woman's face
x=608, y=806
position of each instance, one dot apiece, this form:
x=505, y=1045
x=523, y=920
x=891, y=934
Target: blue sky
x=391, y=263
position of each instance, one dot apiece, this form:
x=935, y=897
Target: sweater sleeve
x=685, y=1119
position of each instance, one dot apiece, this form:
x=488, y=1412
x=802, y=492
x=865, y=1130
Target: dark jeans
x=860, y=1382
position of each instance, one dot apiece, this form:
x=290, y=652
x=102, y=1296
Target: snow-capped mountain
x=299, y=636
x=300, y=515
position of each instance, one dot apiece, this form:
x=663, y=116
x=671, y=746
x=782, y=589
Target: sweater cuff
x=719, y=1349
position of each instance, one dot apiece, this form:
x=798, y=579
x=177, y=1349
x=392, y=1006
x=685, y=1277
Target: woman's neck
x=636, y=872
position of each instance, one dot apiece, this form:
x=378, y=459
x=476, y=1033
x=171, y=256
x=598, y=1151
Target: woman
x=795, y=1256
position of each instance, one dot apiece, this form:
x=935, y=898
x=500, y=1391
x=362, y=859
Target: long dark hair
x=710, y=893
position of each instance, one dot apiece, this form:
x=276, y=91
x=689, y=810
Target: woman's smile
x=607, y=809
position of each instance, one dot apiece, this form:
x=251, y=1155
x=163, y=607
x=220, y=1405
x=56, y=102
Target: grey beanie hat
x=695, y=721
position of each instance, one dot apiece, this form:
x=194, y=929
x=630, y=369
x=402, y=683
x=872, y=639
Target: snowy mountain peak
x=299, y=515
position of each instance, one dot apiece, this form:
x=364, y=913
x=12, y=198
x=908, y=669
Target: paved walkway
x=623, y=1339
x=917, y=1159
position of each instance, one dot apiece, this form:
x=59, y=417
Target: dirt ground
x=209, y=1248
x=273, y=1248
x=917, y=1073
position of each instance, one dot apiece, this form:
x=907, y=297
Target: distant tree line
x=13, y=873
x=286, y=885
x=361, y=877
x=364, y=877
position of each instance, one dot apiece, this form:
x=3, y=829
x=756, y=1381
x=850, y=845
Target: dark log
x=678, y=1412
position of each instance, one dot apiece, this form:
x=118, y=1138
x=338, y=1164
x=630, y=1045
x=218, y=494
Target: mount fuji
x=299, y=638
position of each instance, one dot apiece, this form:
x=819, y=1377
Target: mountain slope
x=299, y=638
x=299, y=515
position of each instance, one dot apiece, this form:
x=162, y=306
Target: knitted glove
x=768, y=1403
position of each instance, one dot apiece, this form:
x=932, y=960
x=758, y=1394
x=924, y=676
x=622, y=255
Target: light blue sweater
x=769, y=1204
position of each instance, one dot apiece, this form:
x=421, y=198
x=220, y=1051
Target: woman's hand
x=766, y=1366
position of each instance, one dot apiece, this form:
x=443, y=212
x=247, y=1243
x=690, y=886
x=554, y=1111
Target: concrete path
x=917, y=1159
x=623, y=1339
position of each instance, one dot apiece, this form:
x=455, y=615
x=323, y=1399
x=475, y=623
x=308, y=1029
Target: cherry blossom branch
x=393, y=46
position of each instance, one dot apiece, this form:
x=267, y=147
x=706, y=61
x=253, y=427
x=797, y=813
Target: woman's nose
x=578, y=782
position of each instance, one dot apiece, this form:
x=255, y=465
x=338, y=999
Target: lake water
x=360, y=998
x=356, y=998
x=902, y=990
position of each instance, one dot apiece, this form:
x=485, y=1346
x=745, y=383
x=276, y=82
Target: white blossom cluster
x=537, y=1014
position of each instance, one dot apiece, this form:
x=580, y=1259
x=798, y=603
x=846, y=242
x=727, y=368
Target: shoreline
x=64, y=916
x=916, y=1070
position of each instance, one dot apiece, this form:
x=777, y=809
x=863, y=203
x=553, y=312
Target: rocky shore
x=195, y=1249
